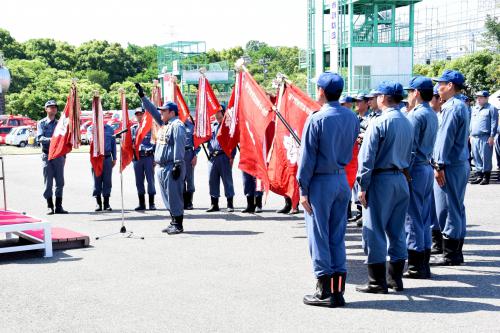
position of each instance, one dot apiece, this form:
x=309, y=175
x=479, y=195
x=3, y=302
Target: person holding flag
x=190, y=159
x=52, y=169
x=169, y=158
x=326, y=148
x=144, y=164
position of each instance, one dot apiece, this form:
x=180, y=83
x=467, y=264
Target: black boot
x=427, y=259
x=486, y=179
x=258, y=204
x=142, y=203
x=215, y=205
x=230, y=207
x=460, y=253
x=98, y=200
x=323, y=294
x=50, y=206
x=176, y=226
x=59, y=208
x=451, y=255
x=106, y=204
x=295, y=210
x=152, y=202
x=376, y=280
x=287, y=208
x=437, y=242
x=395, y=272
x=184, y=196
x=338, y=289
x=478, y=179
x=188, y=201
x=250, y=205
x=416, y=266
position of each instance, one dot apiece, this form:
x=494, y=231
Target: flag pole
x=281, y=80
x=123, y=229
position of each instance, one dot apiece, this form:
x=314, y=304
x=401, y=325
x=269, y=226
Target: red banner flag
x=126, y=146
x=67, y=132
x=255, y=114
x=352, y=167
x=295, y=106
x=173, y=94
x=207, y=106
x=229, y=133
x=97, y=139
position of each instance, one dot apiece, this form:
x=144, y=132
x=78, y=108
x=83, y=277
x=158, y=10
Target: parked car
x=84, y=129
x=18, y=136
x=4, y=130
x=10, y=120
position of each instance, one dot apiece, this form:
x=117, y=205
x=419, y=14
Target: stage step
x=62, y=239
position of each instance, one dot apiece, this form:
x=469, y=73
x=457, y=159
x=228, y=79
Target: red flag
x=352, y=167
x=126, y=147
x=295, y=106
x=173, y=94
x=143, y=129
x=97, y=140
x=229, y=133
x=255, y=114
x=67, y=132
x=207, y=106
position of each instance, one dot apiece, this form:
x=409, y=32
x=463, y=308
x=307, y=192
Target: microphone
x=119, y=134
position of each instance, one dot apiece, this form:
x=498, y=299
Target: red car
x=10, y=120
x=4, y=130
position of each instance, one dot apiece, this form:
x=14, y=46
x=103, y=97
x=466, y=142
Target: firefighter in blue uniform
x=219, y=167
x=144, y=166
x=418, y=225
x=103, y=184
x=327, y=141
x=384, y=192
x=497, y=147
x=190, y=159
x=451, y=168
x=53, y=169
x=254, y=197
x=169, y=159
x=483, y=128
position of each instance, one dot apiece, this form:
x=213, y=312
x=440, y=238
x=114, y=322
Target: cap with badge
x=346, y=99
x=420, y=83
x=330, y=82
x=139, y=110
x=170, y=106
x=483, y=93
x=50, y=103
x=452, y=76
x=389, y=88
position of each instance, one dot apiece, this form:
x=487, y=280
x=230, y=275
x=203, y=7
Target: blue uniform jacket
x=452, y=136
x=213, y=144
x=425, y=125
x=327, y=141
x=44, y=131
x=109, y=141
x=387, y=145
x=484, y=120
x=146, y=145
x=171, y=141
x=190, y=136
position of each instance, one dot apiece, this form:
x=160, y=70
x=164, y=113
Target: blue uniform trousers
x=326, y=227
x=482, y=153
x=384, y=220
x=250, y=186
x=450, y=209
x=497, y=150
x=143, y=168
x=53, y=169
x=219, y=167
x=189, y=179
x=418, y=225
x=434, y=220
x=171, y=189
x=102, y=184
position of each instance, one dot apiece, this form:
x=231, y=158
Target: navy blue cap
x=389, y=88
x=483, y=93
x=435, y=90
x=330, y=82
x=361, y=97
x=171, y=106
x=346, y=99
x=50, y=103
x=451, y=76
x=420, y=83
x=372, y=93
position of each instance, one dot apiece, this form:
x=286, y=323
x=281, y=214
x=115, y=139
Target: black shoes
x=287, y=208
x=50, y=206
x=59, y=209
x=106, y=205
x=230, y=207
x=152, y=202
x=395, y=274
x=142, y=203
x=258, y=204
x=323, y=294
x=98, y=200
x=377, y=283
x=250, y=205
x=188, y=200
x=486, y=179
x=215, y=205
x=175, y=226
x=338, y=288
x=437, y=242
x=451, y=253
x=479, y=178
x=416, y=265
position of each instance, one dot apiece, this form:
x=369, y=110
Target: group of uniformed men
x=411, y=179
x=413, y=168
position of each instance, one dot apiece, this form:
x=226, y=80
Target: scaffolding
x=448, y=29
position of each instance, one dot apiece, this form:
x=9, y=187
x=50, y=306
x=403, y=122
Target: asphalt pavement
x=229, y=272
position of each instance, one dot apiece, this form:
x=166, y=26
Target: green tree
x=9, y=46
x=492, y=34
x=23, y=72
x=59, y=55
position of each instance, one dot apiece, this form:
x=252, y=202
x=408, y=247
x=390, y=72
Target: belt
x=216, y=153
x=334, y=172
x=388, y=170
x=188, y=148
x=107, y=155
x=145, y=153
x=480, y=135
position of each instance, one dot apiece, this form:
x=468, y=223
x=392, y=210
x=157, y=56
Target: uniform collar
x=333, y=103
x=171, y=120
